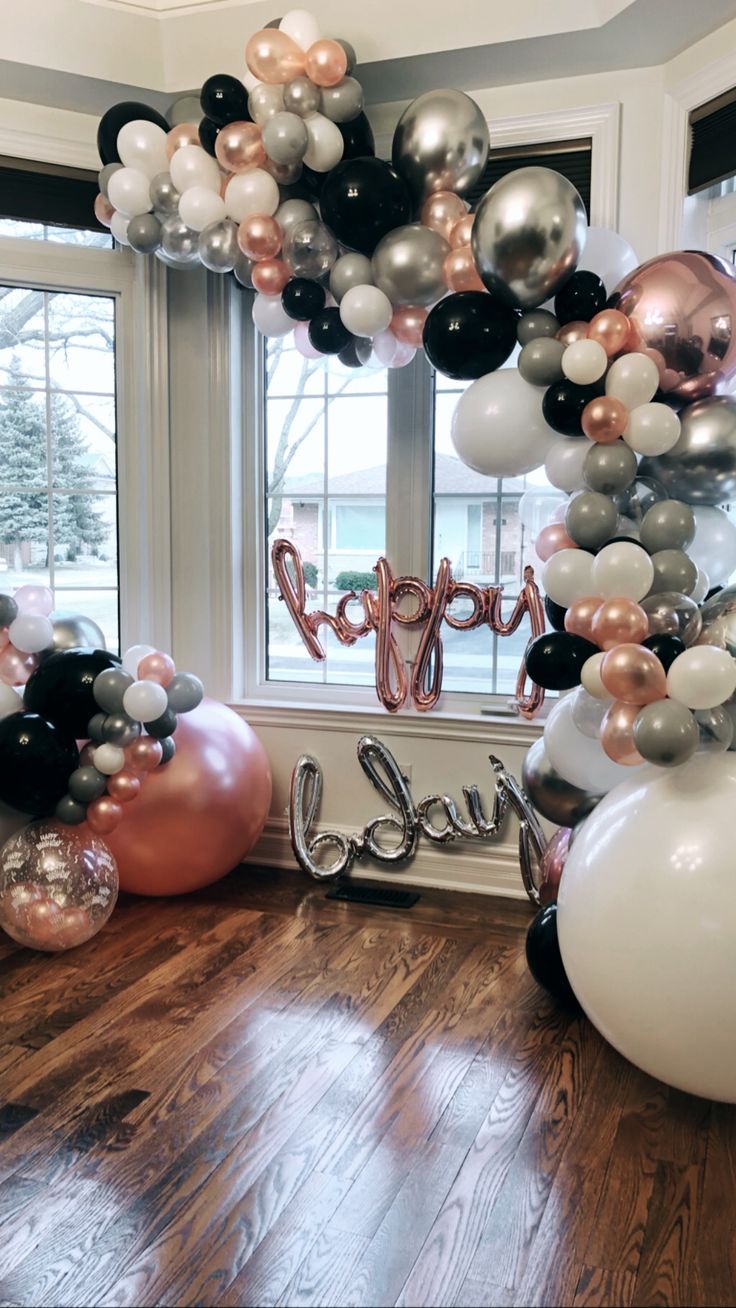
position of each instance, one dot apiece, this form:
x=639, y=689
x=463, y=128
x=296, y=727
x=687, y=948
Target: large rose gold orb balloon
x=58, y=885
x=683, y=305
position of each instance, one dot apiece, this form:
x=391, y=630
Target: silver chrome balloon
x=218, y=246
x=144, y=233
x=528, y=235
x=407, y=265
x=285, y=138
x=556, y=799
x=440, y=143
x=179, y=243
x=342, y=103
x=75, y=631
x=701, y=467
x=164, y=196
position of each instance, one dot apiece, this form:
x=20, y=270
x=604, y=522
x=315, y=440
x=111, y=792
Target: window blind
x=712, y=142
x=571, y=158
x=46, y=193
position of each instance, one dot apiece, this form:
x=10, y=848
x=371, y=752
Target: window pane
x=80, y=343
x=99, y=605
x=30, y=231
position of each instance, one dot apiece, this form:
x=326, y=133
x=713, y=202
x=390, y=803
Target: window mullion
x=409, y=469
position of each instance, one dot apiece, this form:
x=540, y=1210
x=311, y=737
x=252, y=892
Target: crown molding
x=32, y=131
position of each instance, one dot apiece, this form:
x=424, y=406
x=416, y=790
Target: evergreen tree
x=77, y=519
x=23, y=516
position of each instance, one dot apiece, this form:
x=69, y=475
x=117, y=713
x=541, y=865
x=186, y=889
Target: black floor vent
x=355, y=892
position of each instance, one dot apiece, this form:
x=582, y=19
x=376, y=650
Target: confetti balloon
x=58, y=886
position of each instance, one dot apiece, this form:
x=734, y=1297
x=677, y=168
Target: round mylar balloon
x=647, y=922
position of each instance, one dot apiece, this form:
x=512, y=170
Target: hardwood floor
x=255, y=1095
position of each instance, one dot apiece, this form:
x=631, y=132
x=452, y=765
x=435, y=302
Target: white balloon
x=633, y=379
x=108, y=759
x=622, y=569
x=145, y=701
x=580, y=759
x=608, y=255
x=251, y=192
x=301, y=26
x=200, y=206
x=133, y=656
x=142, y=145
x=567, y=577
x=652, y=429
x=193, y=166
x=385, y=348
x=486, y=415
x=31, y=632
x=701, y=587
x=129, y=191
x=538, y=505
x=588, y=711
x=702, y=677
x=564, y=463
x=590, y=677
x=119, y=228
x=365, y=310
x=326, y=144
x=584, y=362
x=713, y=547
x=269, y=317
x=647, y=920
x=10, y=702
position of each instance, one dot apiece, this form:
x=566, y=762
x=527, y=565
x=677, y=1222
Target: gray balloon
x=292, y=212
x=342, y=103
x=285, y=138
x=96, y=727
x=265, y=101
x=716, y=729
x=164, y=196
x=109, y=687
x=590, y=519
x=75, y=631
x=163, y=726
x=639, y=497
x=243, y=269
x=536, y=323
x=187, y=109
x=350, y=270
x=350, y=54
x=284, y=174
x=178, y=242
x=556, y=799
x=669, y=525
x=301, y=97
x=310, y=249
x=168, y=750
x=666, y=733
x=8, y=610
x=120, y=729
x=104, y=175
x=540, y=361
x=144, y=233
x=673, y=571
x=69, y=811
x=701, y=467
x=184, y=692
x=609, y=468
x=673, y=614
x=218, y=246
x=86, y=784
x=407, y=265
x=528, y=235
x=440, y=144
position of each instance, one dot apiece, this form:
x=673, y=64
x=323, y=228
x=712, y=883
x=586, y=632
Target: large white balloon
x=199, y=206
x=713, y=547
x=701, y=677
x=301, y=26
x=579, y=758
x=193, y=166
x=326, y=144
x=269, y=316
x=652, y=429
x=142, y=145
x=252, y=192
x=647, y=922
x=365, y=310
x=129, y=191
x=564, y=463
x=498, y=427
x=609, y=255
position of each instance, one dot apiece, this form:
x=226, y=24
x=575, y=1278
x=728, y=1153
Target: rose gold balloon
x=103, y=210
x=619, y=622
x=103, y=815
x=16, y=668
x=124, y=786
x=273, y=57
x=617, y=733
x=260, y=236
x=684, y=305
x=181, y=135
x=442, y=211
x=198, y=816
x=634, y=674
x=462, y=231
x=239, y=146
x=4, y=637
x=408, y=322
x=42, y=921
x=604, y=419
x=552, y=864
x=158, y=667
x=579, y=617
x=143, y=754
x=459, y=271
x=15, y=904
x=551, y=539
x=326, y=63
x=75, y=926
x=270, y=276
x=85, y=755
x=572, y=332
x=609, y=328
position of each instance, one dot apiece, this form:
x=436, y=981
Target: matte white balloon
x=199, y=206
x=647, y=921
x=193, y=166
x=269, y=317
x=31, y=632
x=702, y=677
x=10, y=702
x=564, y=463
x=701, y=587
x=713, y=547
x=301, y=26
x=142, y=145
x=486, y=415
x=652, y=429
x=584, y=362
x=108, y=759
x=633, y=379
x=622, y=570
x=590, y=677
x=365, y=310
x=608, y=255
x=145, y=700
x=133, y=656
x=326, y=144
x=129, y=192
x=251, y=192
x=119, y=228
x=567, y=577
x=579, y=758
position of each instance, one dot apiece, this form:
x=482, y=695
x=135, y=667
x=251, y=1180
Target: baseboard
x=482, y=868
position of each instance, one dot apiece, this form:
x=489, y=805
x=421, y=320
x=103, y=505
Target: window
x=31, y=231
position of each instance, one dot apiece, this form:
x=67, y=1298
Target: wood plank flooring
x=257, y=1096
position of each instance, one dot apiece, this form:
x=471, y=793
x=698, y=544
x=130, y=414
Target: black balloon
x=349, y=356
x=164, y=726
x=555, y=614
x=362, y=200
x=555, y=660
x=310, y=183
x=60, y=689
x=225, y=100
x=302, y=298
x=563, y=405
x=667, y=648
x=469, y=334
x=328, y=333
x=358, y=139
x=208, y=134
x=36, y=762
x=128, y=111
x=581, y=298
x=545, y=960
